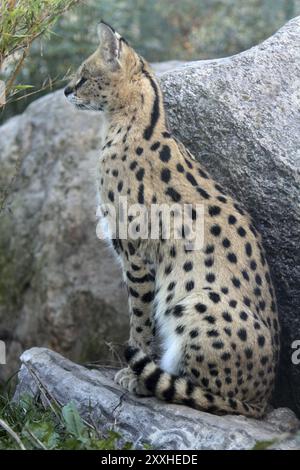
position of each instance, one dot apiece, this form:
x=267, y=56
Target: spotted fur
x=209, y=315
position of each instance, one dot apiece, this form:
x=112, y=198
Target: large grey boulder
x=146, y=420
x=241, y=117
x=59, y=287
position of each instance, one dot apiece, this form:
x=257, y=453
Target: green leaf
x=147, y=446
x=44, y=432
x=110, y=443
x=127, y=446
x=22, y=87
x=73, y=421
x=263, y=445
x=72, y=443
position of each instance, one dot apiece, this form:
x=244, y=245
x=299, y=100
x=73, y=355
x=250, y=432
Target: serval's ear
x=109, y=45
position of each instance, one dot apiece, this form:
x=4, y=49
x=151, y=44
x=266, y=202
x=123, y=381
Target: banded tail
x=176, y=389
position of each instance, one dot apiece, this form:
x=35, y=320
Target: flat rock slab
x=147, y=420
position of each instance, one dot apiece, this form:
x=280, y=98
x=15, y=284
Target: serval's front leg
x=140, y=282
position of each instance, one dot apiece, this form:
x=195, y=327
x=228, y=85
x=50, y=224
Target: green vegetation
x=21, y=23
x=264, y=445
x=29, y=425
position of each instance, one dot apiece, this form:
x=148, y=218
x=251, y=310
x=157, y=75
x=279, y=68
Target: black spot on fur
x=168, y=269
x=210, y=319
x=191, y=179
x=241, y=231
x=214, y=210
x=253, y=265
x=165, y=175
x=188, y=266
x=155, y=146
x=139, y=150
x=141, y=194
x=226, y=243
x=189, y=286
x=210, y=277
x=203, y=193
x=218, y=345
x=226, y=356
x=215, y=230
x=201, y=308
x=202, y=173
x=205, y=382
x=227, y=317
x=236, y=282
x=194, y=333
x=148, y=297
x=209, y=249
x=243, y=315
x=242, y=334
x=174, y=195
x=133, y=165
x=180, y=329
x=214, y=297
x=165, y=154
x=137, y=312
x=178, y=311
x=180, y=168
x=173, y=252
x=232, y=258
x=248, y=249
x=140, y=174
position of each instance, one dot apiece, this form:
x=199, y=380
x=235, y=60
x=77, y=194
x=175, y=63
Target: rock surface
x=146, y=420
x=59, y=286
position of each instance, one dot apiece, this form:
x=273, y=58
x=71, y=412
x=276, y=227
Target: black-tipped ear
x=109, y=44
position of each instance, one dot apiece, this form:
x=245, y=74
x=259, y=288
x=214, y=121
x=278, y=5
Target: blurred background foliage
x=159, y=29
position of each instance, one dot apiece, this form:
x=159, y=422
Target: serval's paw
x=129, y=381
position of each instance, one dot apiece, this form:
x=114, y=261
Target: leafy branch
x=21, y=23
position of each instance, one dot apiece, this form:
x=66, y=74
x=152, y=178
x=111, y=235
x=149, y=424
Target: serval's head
x=109, y=79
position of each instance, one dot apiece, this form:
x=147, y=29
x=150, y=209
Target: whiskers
x=88, y=106
x=92, y=107
x=80, y=104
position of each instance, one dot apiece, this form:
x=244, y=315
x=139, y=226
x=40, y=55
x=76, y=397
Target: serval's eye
x=80, y=82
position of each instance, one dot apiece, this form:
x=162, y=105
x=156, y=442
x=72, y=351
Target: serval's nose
x=68, y=90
